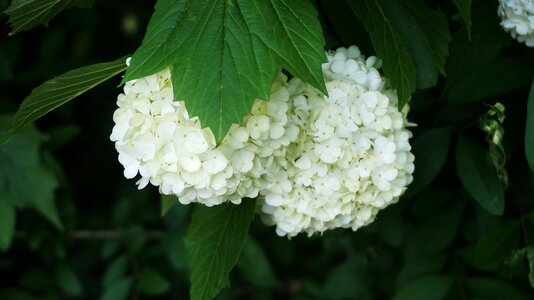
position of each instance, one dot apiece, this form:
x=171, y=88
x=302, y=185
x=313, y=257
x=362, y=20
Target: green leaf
x=167, y=202
x=415, y=40
x=529, y=134
x=7, y=223
x=398, y=65
x=494, y=79
x=118, y=291
x=486, y=42
x=435, y=27
x=497, y=243
x=26, y=14
x=464, y=7
x=61, y=89
x=492, y=289
x=21, y=166
x=420, y=266
x=115, y=272
x=478, y=177
x=431, y=150
x=433, y=287
x=345, y=281
x=213, y=243
x=441, y=229
x=68, y=281
x=255, y=266
x=152, y=282
x=225, y=54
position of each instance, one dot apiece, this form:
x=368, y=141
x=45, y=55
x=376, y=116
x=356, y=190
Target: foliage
x=72, y=228
x=245, y=41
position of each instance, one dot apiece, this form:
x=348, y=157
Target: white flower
x=518, y=18
x=351, y=157
x=314, y=162
x=158, y=140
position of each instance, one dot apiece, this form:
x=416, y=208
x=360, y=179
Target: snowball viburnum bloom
x=518, y=18
x=351, y=158
x=158, y=140
x=314, y=162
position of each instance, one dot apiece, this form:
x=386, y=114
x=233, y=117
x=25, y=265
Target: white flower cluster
x=518, y=19
x=352, y=156
x=156, y=138
x=314, y=162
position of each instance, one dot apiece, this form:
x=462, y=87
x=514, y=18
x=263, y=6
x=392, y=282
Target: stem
x=109, y=234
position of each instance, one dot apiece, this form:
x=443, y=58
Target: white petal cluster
x=156, y=139
x=518, y=19
x=314, y=162
x=351, y=157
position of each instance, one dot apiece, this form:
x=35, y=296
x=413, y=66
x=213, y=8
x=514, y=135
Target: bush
x=72, y=227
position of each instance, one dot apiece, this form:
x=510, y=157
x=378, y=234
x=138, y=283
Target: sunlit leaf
x=61, y=89
x=237, y=50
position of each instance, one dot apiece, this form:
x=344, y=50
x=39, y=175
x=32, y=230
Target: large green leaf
x=478, y=177
x=431, y=150
x=491, y=80
x=390, y=47
x=25, y=14
x=529, y=135
x=61, y=89
x=416, y=42
x=486, y=42
x=434, y=25
x=464, y=7
x=7, y=223
x=496, y=243
x=432, y=287
x=25, y=180
x=224, y=54
x=213, y=243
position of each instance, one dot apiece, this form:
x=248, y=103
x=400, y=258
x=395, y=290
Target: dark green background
x=116, y=245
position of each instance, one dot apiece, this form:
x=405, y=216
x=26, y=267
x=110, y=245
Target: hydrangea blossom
x=158, y=140
x=518, y=19
x=314, y=162
x=351, y=157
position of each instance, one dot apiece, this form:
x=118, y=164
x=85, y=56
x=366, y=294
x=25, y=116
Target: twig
x=110, y=234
